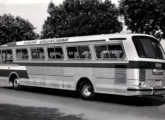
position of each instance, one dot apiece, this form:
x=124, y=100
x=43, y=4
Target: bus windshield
x=148, y=47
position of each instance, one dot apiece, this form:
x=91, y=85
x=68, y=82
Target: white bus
x=121, y=64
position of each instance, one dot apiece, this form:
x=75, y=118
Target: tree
x=81, y=17
x=15, y=29
x=144, y=16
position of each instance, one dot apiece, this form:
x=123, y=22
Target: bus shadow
x=132, y=101
x=124, y=100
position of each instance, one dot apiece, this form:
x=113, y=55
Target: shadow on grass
x=124, y=100
x=13, y=112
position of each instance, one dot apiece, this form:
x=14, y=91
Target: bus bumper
x=146, y=91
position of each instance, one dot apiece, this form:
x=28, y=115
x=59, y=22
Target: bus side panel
x=45, y=76
x=105, y=79
x=75, y=74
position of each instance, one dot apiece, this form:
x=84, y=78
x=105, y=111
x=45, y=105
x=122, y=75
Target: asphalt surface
x=15, y=112
x=49, y=104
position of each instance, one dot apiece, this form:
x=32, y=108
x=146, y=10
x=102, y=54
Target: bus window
x=25, y=54
x=55, y=53
x=84, y=52
x=7, y=56
x=78, y=52
x=102, y=51
x=41, y=54
x=59, y=53
x=72, y=52
x=22, y=54
x=34, y=53
x=38, y=53
x=51, y=53
x=109, y=51
x=116, y=51
x=148, y=47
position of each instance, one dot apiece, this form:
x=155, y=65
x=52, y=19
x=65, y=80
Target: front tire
x=86, y=91
x=16, y=84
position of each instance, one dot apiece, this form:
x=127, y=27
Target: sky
x=33, y=10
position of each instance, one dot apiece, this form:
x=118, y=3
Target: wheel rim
x=87, y=90
x=16, y=83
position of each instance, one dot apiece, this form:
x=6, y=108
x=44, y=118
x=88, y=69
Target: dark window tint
x=148, y=47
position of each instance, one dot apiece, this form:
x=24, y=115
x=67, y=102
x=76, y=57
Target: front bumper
x=146, y=91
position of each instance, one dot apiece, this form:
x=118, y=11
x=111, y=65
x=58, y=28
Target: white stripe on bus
x=12, y=68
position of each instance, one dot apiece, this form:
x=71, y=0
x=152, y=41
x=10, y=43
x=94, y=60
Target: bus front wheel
x=16, y=84
x=86, y=91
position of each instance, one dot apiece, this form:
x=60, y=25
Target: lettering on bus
x=58, y=40
x=46, y=41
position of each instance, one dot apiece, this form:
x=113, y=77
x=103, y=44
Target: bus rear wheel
x=86, y=91
x=16, y=84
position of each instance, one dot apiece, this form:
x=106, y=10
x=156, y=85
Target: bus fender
x=13, y=75
x=82, y=79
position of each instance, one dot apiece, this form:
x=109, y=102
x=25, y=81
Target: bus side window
x=55, y=53
x=22, y=54
x=25, y=55
x=116, y=51
x=102, y=52
x=41, y=54
x=84, y=52
x=3, y=56
x=34, y=53
x=38, y=53
x=51, y=53
x=18, y=54
x=7, y=56
x=72, y=52
x=59, y=53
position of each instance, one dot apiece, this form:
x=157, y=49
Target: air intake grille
x=142, y=74
x=120, y=75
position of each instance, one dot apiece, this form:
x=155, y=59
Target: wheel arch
x=83, y=79
x=13, y=75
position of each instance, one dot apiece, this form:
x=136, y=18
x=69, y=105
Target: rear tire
x=86, y=91
x=16, y=84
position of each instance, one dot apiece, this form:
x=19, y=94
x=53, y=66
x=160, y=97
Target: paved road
x=68, y=104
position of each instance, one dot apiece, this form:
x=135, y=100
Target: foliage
x=15, y=29
x=81, y=17
x=144, y=16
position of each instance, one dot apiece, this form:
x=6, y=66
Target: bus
x=118, y=64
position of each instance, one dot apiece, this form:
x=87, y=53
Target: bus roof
x=102, y=37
